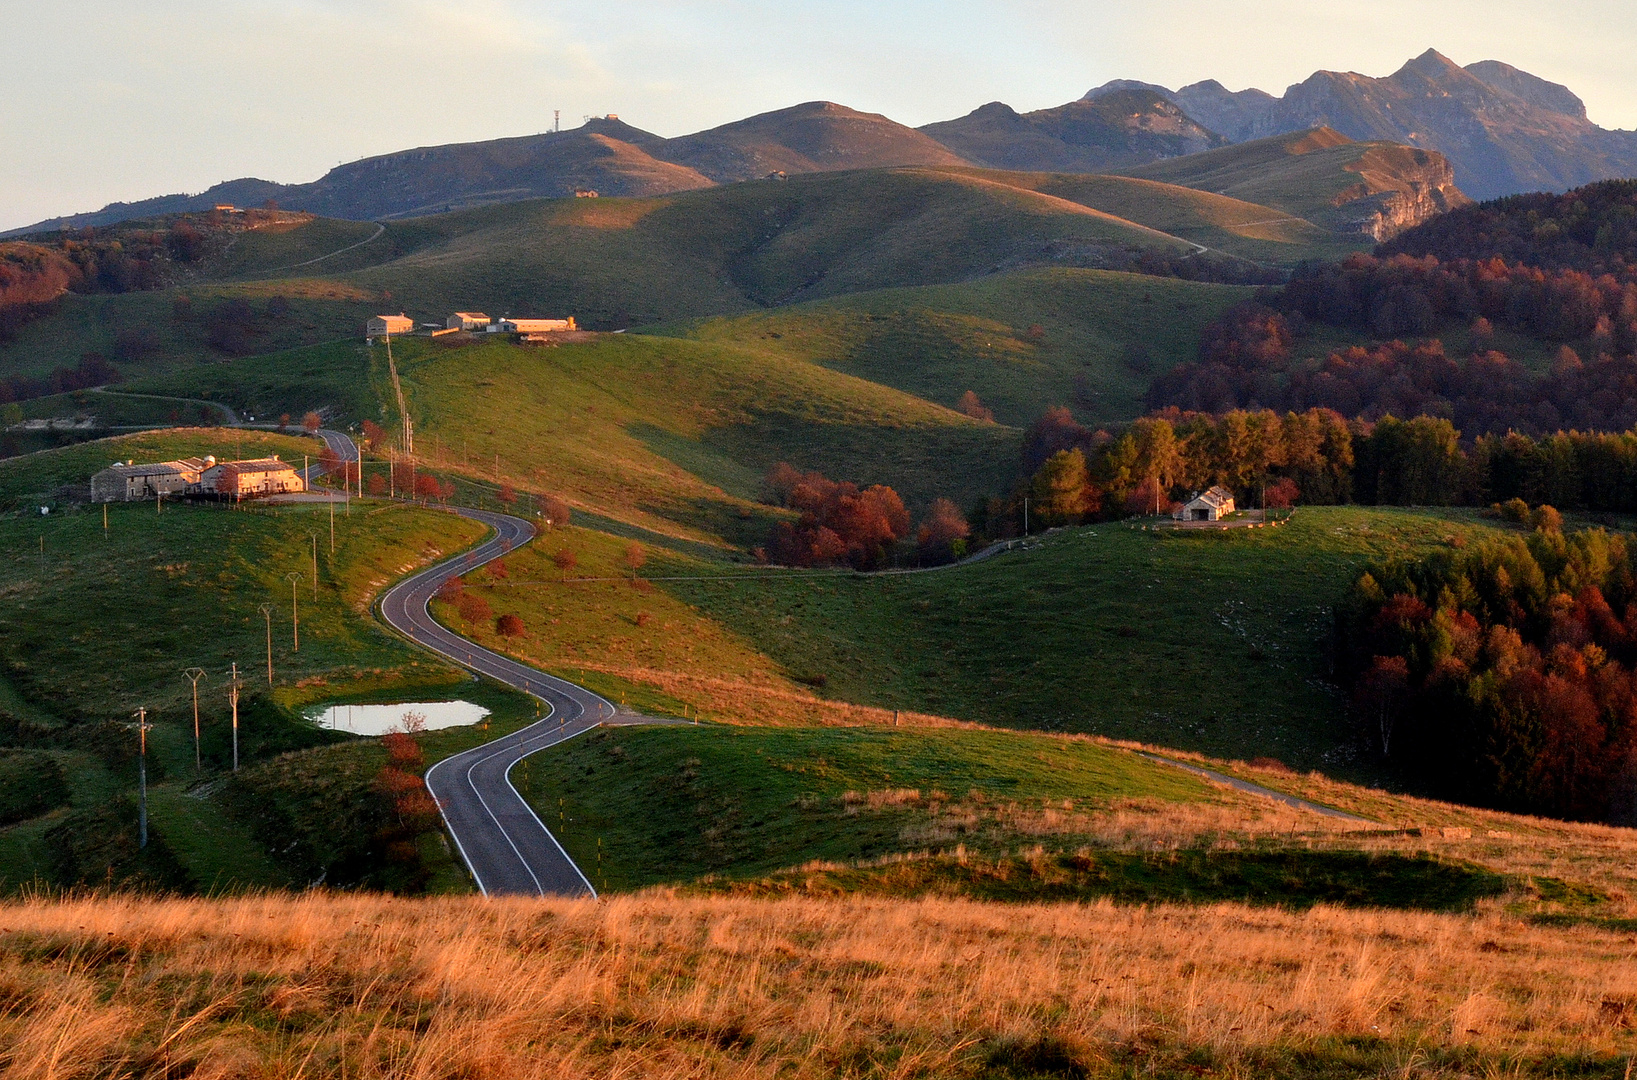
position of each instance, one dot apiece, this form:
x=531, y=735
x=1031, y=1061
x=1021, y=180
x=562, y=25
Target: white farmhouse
x=382, y=325
x=1213, y=505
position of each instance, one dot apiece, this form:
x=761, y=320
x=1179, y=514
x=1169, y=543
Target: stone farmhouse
x=1212, y=505
x=249, y=479
x=130, y=482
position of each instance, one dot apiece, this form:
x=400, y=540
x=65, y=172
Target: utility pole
x=267, y=613
x=105, y=521
x=315, y=567
x=142, y=727
x=1025, y=515
x=332, y=527
x=233, y=685
x=295, y=616
x=194, y=675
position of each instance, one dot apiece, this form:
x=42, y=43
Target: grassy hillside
x=666, y=433
x=1316, y=175
x=1103, y=629
x=1101, y=336
x=1212, y=642
x=812, y=985
x=621, y=262
x=1235, y=226
x=146, y=333
x=182, y=588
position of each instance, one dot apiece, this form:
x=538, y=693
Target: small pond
x=380, y=719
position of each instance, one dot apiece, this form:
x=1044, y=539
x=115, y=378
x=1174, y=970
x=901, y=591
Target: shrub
x=510, y=626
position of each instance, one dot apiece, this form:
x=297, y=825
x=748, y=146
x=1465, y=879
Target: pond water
x=380, y=719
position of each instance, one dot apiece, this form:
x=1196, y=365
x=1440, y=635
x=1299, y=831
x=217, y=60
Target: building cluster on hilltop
x=470, y=322
x=128, y=481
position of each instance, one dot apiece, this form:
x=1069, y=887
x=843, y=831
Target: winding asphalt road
x=503, y=842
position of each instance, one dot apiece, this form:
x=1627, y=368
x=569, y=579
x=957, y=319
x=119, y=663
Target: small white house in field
x=1212, y=505
x=382, y=325
x=467, y=320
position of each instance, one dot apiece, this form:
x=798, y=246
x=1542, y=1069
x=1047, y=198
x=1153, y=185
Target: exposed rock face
x=1375, y=188
x=1399, y=188
x=1118, y=125
x=1504, y=130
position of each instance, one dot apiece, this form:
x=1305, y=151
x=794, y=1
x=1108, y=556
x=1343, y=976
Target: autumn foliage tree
x=510, y=626
x=634, y=558
x=566, y=561
x=1503, y=672
x=555, y=511
x=474, y=610
x=943, y=533
x=838, y=523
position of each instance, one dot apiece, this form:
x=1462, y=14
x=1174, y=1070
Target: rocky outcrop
x=1399, y=188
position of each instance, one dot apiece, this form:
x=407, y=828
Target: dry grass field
x=660, y=985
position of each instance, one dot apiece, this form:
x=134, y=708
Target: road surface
x=1258, y=789
x=504, y=844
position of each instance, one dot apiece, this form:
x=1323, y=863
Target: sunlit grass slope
x=1245, y=229
x=628, y=262
x=671, y=986
x=657, y=430
x=165, y=591
x=1212, y=642
x=1101, y=336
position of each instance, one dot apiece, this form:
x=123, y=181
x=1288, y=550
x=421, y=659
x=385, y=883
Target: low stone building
x=251, y=479
x=1212, y=505
x=467, y=320
x=127, y=481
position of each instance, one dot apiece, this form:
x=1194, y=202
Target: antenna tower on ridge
x=556, y=120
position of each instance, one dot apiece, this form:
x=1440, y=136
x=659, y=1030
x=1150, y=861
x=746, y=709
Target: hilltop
x=1099, y=135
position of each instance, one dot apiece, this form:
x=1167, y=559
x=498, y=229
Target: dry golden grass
x=1603, y=856
x=658, y=985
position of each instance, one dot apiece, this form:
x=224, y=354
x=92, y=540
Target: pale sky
x=125, y=99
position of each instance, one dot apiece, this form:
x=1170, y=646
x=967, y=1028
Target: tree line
x=1503, y=672
x=1591, y=229
x=1248, y=360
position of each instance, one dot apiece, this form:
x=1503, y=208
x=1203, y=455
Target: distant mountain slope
x=1370, y=188
x=1504, y=130
x=1126, y=126
x=818, y=136
x=619, y=262
x=606, y=156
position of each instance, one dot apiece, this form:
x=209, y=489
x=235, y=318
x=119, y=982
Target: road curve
x=503, y=842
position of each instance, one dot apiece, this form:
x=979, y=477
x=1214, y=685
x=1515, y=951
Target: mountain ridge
x=1504, y=130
